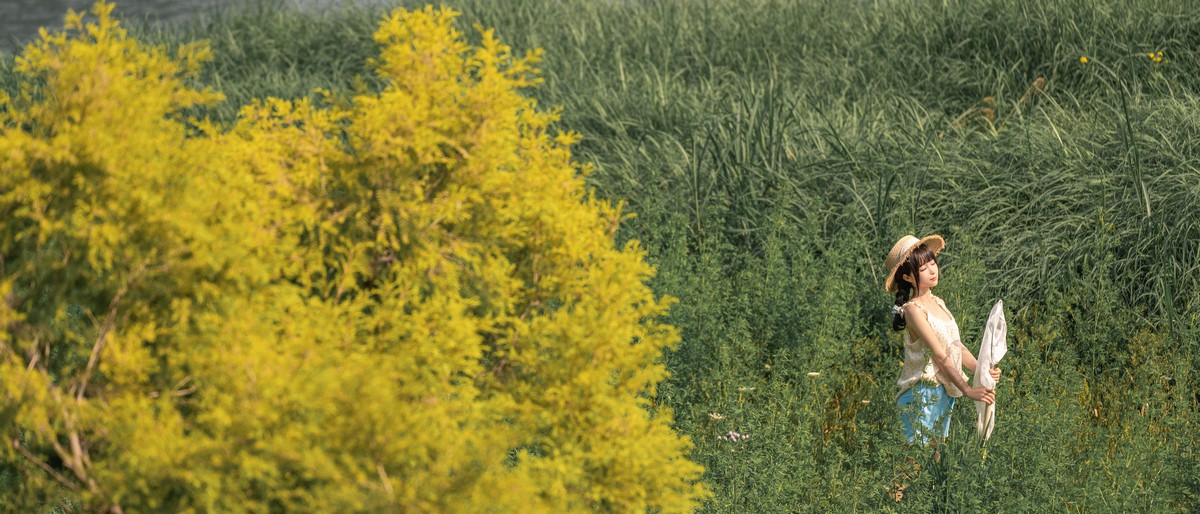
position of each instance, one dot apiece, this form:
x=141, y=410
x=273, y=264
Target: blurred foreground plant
x=405, y=299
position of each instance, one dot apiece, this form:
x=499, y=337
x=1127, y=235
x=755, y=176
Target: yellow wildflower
x=1083, y=59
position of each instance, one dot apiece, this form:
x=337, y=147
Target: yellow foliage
x=403, y=300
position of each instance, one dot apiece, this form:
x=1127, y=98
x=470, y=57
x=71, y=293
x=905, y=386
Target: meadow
x=773, y=150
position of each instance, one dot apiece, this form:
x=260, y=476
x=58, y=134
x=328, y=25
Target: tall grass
x=774, y=149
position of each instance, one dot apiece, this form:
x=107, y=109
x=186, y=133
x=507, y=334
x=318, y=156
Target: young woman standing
x=934, y=356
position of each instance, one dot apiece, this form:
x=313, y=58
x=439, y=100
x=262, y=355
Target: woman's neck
x=923, y=293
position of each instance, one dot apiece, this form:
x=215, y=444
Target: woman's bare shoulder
x=914, y=310
x=940, y=301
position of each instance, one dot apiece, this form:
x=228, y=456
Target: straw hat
x=900, y=252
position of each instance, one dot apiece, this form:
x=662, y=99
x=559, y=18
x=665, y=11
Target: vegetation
x=321, y=307
x=773, y=150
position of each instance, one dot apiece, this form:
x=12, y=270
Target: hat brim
x=935, y=243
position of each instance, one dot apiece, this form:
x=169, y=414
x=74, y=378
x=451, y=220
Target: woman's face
x=929, y=275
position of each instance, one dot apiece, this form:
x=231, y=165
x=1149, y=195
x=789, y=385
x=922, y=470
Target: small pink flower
x=733, y=436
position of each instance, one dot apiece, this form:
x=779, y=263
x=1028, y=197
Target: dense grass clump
x=774, y=149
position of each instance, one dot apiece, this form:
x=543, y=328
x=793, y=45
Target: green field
x=773, y=150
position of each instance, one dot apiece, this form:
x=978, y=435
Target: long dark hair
x=911, y=266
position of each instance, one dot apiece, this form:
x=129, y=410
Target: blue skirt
x=925, y=412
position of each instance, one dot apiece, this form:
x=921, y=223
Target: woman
x=933, y=354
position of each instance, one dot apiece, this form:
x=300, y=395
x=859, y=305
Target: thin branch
x=179, y=390
x=184, y=392
x=63, y=454
x=74, y=458
x=383, y=477
x=16, y=444
x=101, y=340
x=110, y=320
x=33, y=360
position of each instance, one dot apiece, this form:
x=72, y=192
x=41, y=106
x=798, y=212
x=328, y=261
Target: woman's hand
x=981, y=394
x=995, y=373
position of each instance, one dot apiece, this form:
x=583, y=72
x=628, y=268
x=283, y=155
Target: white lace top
x=918, y=359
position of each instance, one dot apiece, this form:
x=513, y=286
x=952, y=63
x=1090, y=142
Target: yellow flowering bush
x=401, y=300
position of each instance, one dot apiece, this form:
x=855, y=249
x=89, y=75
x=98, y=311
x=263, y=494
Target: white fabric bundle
x=991, y=351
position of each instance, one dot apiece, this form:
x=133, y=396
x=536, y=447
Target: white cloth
x=991, y=350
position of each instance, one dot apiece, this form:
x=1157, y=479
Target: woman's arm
x=916, y=321
x=969, y=359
